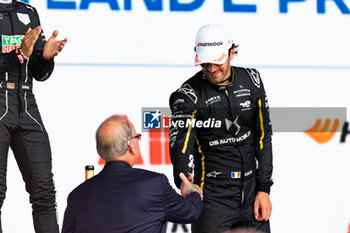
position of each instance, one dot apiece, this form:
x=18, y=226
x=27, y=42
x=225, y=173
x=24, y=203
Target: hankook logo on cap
x=210, y=44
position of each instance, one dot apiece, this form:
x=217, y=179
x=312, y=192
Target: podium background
x=119, y=61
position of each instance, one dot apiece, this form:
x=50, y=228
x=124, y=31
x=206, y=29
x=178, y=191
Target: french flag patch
x=235, y=175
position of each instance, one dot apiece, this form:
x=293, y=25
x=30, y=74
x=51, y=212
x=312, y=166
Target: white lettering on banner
x=180, y=124
x=178, y=6
x=209, y=123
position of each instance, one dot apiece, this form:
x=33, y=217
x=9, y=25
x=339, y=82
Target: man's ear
x=132, y=147
x=232, y=53
x=133, y=152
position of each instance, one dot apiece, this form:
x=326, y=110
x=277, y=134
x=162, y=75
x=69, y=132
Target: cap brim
x=202, y=58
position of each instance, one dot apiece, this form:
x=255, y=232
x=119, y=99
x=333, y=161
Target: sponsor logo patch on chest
x=10, y=43
x=245, y=105
x=241, y=93
x=212, y=100
x=24, y=18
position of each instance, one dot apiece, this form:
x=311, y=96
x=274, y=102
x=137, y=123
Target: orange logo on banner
x=323, y=134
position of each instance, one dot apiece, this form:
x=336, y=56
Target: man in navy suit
x=125, y=199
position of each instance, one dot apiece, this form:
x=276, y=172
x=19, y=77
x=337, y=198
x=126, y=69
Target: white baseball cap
x=212, y=44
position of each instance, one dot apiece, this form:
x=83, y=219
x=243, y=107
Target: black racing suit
x=223, y=132
x=21, y=127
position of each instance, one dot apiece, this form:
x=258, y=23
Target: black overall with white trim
x=225, y=156
x=21, y=127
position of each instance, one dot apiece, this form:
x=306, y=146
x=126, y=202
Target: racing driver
x=26, y=54
x=221, y=131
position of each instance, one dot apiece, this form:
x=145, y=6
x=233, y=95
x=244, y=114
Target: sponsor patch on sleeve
x=187, y=90
x=255, y=77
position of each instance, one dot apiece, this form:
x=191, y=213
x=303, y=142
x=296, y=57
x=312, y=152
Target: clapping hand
x=29, y=40
x=53, y=47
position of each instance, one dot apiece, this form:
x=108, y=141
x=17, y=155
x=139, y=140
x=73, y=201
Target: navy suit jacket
x=125, y=199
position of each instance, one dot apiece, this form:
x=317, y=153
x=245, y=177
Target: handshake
x=187, y=186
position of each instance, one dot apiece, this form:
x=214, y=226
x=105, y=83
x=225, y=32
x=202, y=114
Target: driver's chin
x=214, y=79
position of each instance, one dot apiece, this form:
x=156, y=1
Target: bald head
x=112, y=137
